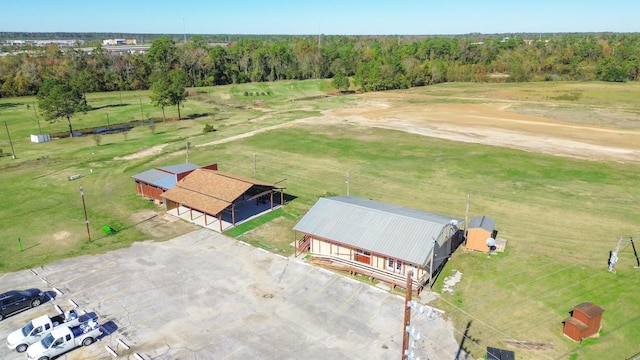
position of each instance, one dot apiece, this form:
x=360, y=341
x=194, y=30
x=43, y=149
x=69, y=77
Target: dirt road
x=493, y=123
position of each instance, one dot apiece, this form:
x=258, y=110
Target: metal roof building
x=391, y=230
x=152, y=183
x=394, y=234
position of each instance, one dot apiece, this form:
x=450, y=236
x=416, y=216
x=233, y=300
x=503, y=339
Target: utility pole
x=107, y=121
x=188, y=151
x=433, y=255
x=37, y=118
x=466, y=218
x=13, y=153
x=348, y=182
x=141, y=113
x=407, y=315
x=86, y=218
x=254, y=166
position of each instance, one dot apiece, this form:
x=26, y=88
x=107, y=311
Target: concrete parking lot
x=206, y=296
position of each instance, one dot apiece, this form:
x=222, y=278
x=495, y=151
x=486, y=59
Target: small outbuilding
x=584, y=321
x=480, y=229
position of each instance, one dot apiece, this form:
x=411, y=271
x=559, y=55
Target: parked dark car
x=15, y=301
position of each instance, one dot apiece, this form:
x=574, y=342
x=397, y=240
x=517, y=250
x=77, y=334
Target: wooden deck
x=393, y=280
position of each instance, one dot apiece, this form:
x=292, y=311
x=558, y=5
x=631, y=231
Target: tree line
x=363, y=63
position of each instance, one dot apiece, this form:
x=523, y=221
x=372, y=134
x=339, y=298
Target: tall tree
x=177, y=92
x=161, y=93
x=58, y=100
x=162, y=54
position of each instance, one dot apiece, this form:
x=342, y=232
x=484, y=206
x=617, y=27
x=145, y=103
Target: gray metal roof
x=483, y=222
x=165, y=176
x=157, y=178
x=179, y=168
x=390, y=230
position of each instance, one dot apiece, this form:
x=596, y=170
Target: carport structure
x=218, y=200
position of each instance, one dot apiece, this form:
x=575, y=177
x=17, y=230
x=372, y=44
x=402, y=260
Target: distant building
x=39, y=43
x=116, y=42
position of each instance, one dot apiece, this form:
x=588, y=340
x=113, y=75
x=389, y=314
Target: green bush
x=208, y=128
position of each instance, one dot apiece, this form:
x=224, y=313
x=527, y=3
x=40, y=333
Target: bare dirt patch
x=61, y=235
x=491, y=124
x=154, y=150
x=160, y=225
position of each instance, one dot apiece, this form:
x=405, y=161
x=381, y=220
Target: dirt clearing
x=493, y=123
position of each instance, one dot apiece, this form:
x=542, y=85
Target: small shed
x=584, y=321
x=480, y=229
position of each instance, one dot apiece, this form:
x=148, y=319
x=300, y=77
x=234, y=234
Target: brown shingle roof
x=589, y=309
x=211, y=191
x=577, y=323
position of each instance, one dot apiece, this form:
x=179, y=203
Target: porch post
x=233, y=214
x=271, y=196
x=220, y=221
x=433, y=251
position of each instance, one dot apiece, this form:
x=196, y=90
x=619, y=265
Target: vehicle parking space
x=207, y=296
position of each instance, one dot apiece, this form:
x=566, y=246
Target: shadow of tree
x=8, y=105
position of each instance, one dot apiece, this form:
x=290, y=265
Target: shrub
x=208, y=128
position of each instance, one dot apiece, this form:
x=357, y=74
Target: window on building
x=362, y=256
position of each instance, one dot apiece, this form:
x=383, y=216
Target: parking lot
x=207, y=296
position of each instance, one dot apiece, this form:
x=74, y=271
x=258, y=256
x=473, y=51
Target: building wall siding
x=149, y=191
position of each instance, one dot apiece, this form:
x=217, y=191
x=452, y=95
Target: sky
x=329, y=17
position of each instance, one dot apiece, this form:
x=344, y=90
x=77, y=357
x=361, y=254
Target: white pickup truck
x=64, y=338
x=37, y=328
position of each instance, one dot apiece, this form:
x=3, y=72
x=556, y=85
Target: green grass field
x=561, y=216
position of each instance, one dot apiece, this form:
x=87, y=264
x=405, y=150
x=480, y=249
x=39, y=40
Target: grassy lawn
x=560, y=216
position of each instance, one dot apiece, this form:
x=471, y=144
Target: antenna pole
x=184, y=30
